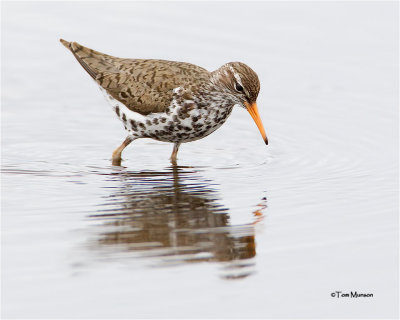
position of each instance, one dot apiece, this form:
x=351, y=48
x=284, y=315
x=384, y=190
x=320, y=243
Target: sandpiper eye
x=238, y=87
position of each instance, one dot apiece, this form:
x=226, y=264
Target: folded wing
x=144, y=86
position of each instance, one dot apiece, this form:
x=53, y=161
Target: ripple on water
x=167, y=217
x=171, y=217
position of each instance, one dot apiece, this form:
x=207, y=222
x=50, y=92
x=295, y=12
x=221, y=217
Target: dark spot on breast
x=142, y=125
x=133, y=124
x=123, y=95
x=163, y=120
x=187, y=128
x=124, y=117
x=183, y=113
x=148, y=122
x=117, y=110
x=155, y=121
x=194, y=119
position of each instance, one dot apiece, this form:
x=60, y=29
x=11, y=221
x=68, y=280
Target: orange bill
x=253, y=110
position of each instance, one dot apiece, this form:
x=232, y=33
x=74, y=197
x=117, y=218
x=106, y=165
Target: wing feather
x=143, y=85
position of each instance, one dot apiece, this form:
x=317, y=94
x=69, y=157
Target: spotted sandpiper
x=169, y=101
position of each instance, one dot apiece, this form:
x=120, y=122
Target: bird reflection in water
x=174, y=216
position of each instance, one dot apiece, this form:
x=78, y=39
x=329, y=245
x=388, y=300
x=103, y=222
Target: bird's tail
x=66, y=43
x=94, y=62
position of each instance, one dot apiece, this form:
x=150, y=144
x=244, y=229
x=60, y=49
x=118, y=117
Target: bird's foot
x=173, y=161
x=116, y=161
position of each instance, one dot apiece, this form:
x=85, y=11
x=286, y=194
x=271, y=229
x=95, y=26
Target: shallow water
x=238, y=229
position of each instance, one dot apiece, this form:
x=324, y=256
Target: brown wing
x=144, y=86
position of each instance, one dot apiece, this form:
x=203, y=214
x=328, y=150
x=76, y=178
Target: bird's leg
x=175, y=153
x=116, y=156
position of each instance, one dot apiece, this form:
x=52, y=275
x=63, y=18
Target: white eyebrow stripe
x=237, y=77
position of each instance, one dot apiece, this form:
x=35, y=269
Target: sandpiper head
x=243, y=85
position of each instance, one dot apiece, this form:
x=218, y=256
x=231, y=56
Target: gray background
x=329, y=103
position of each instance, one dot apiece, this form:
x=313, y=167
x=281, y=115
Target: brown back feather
x=144, y=86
